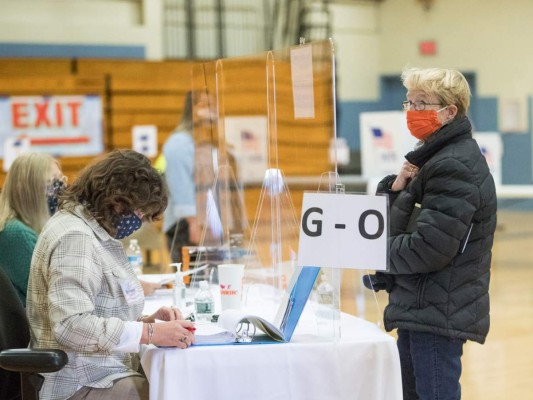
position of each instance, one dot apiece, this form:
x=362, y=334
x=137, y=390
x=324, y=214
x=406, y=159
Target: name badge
x=131, y=291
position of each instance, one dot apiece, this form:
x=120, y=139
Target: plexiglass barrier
x=263, y=126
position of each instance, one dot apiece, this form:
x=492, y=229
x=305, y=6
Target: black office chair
x=19, y=366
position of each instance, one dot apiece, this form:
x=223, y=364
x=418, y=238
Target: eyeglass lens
x=417, y=105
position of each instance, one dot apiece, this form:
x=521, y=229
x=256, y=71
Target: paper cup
x=230, y=283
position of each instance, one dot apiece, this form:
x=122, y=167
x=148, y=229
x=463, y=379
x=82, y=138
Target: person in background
x=179, y=223
x=442, y=223
x=28, y=199
x=83, y=294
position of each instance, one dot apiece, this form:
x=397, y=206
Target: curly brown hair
x=118, y=183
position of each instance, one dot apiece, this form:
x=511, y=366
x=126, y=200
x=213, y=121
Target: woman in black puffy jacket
x=442, y=222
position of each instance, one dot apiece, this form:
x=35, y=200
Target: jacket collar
x=84, y=214
x=449, y=133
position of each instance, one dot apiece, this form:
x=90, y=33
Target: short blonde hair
x=23, y=196
x=449, y=85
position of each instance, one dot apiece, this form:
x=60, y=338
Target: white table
x=363, y=364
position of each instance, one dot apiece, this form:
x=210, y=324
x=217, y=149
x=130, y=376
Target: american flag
x=487, y=154
x=382, y=139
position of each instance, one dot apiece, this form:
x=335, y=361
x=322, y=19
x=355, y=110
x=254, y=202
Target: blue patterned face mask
x=126, y=225
x=52, y=193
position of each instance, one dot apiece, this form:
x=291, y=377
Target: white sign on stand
x=344, y=231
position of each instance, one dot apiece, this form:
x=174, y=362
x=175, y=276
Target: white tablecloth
x=363, y=364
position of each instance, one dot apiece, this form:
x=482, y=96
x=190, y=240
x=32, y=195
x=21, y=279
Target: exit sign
x=427, y=47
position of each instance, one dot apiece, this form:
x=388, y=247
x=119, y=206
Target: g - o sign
x=344, y=231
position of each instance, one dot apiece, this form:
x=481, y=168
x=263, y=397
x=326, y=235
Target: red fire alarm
x=427, y=47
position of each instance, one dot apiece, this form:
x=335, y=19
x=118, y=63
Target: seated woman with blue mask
x=28, y=199
x=83, y=294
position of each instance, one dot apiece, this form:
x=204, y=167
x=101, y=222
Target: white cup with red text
x=230, y=283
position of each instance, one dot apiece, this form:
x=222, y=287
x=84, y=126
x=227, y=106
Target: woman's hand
x=172, y=333
x=166, y=314
x=408, y=172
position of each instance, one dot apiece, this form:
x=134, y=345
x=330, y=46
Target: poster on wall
x=13, y=148
x=491, y=146
x=57, y=125
x=144, y=139
x=246, y=138
x=385, y=140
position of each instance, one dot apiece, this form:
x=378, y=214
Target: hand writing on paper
x=178, y=333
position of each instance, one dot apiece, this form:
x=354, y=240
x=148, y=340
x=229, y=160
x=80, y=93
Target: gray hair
x=449, y=85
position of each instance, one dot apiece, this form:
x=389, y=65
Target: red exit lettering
x=45, y=114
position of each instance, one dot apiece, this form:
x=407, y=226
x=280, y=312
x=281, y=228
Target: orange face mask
x=421, y=124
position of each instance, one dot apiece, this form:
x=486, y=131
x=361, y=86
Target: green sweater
x=17, y=242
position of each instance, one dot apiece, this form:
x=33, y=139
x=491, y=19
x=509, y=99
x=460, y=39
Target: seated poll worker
x=83, y=295
x=442, y=222
x=28, y=199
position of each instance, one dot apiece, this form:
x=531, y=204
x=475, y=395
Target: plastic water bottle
x=135, y=256
x=325, y=292
x=327, y=309
x=178, y=291
x=204, y=303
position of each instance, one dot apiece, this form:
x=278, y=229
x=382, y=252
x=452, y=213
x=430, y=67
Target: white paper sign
x=344, y=231
x=246, y=138
x=491, y=146
x=145, y=139
x=13, y=148
x=302, y=81
x=58, y=125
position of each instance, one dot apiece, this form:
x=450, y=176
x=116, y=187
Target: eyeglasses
x=417, y=105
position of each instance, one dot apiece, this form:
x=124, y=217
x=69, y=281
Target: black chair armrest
x=33, y=360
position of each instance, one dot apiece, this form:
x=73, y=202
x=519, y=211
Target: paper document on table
x=237, y=327
x=245, y=325
x=211, y=333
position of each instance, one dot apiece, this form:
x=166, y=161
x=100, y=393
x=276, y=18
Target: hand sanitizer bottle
x=178, y=292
